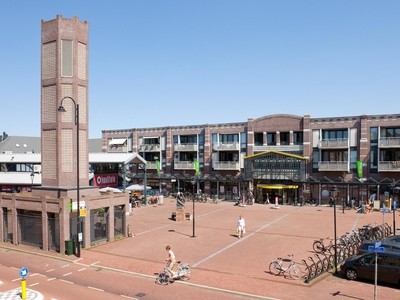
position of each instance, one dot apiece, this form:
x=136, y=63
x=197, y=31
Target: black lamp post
x=32, y=177
x=193, y=182
x=334, y=191
x=62, y=109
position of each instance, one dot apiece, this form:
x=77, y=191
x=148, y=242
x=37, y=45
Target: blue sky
x=160, y=63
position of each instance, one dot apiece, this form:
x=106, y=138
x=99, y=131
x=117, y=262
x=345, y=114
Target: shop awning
x=276, y=186
x=117, y=142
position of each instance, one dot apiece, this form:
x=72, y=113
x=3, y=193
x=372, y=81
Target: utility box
x=69, y=247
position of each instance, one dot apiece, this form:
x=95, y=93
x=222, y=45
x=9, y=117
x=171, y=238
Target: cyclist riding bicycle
x=171, y=260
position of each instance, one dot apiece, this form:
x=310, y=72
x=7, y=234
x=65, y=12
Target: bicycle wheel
x=295, y=272
x=274, y=268
x=187, y=273
x=318, y=247
x=162, y=279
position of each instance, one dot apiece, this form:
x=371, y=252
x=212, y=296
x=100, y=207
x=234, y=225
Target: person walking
x=171, y=260
x=240, y=227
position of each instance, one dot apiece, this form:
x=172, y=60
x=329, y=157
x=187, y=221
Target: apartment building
x=332, y=148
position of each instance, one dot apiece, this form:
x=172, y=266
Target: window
x=228, y=138
x=335, y=134
x=373, y=134
x=188, y=139
x=285, y=138
x=243, y=143
x=392, y=261
x=258, y=139
x=66, y=58
x=271, y=138
x=298, y=138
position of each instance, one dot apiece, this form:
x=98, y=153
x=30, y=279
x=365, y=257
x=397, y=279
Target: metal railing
x=149, y=148
x=389, y=142
x=226, y=146
x=226, y=165
x=333, y=166
x=186, y=147
x=334, y=143
x=389, y=166
x=184, y=165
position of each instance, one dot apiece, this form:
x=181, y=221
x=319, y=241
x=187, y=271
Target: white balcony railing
x=333, y=166
x=117, y=149
x=151, y=165
x=389, y=142
x=226, y=146
x=226, y=165
x=150, y=148
x=386, y=166
x=334, y=143
x=184, y=165
x=186, y=147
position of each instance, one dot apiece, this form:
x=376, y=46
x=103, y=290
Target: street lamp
x=32, y=177
x=193, y=182
x=335, y=190
x=62, y=109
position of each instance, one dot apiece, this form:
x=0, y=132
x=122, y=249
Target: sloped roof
x=276, y=152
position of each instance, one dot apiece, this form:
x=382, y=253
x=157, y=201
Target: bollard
x=23, y=289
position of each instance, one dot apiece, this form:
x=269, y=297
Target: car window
x=367, y=259
x=392, y=261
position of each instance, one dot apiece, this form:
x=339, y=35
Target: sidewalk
x=222, y=261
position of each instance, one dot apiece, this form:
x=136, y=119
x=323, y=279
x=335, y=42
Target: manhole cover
x=140, y=295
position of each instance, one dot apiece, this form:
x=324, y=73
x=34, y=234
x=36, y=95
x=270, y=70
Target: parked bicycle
x=319, y=246
x=276, y=267
x=184, y=272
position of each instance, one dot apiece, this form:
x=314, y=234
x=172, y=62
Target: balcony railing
x=333, y=166
x=226, y=165
x=389, y=142
x=282, y=148
x=149, y=148
x=184, y=165
x=119, y=149
x=389, y=166
x=151, y=165
x=186, y=147
x=226, y=146
x=334, y=143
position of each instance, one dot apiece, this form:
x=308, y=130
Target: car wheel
x=351, y=274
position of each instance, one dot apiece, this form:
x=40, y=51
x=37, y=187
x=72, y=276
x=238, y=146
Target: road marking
x=33, y=284
x=240, y=240
x=66, y=281
x=64, y=266
x=152, y=230
x=93, y=288
x=81, y=269
x=67, y=274
x=128, y=297
x=50, y=279
x=95, y=263
x=50, y=270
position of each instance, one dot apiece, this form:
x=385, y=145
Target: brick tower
x=64, y=73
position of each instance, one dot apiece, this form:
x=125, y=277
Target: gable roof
x=276, y=152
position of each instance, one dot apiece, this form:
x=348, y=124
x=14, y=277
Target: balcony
x=281, y=148
x=184, y=165
x=333, y=143
x=150, y=148
x=333, y=166
x=186, y=147
x=389, y=166
x=392, y=142
x=234, y=146
x=151, y=165
x=117, y=149
x=226, y=165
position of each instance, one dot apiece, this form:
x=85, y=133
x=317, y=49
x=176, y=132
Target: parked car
x=393, y=238
x=389, y=246
x=363, y=266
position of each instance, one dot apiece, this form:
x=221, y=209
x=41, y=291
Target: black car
x=388, y=245
x=393, y=238
x=363, y=266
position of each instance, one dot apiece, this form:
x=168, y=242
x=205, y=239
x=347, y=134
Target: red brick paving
x=220, y=260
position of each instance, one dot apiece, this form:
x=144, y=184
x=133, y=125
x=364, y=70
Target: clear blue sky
x=160, y=63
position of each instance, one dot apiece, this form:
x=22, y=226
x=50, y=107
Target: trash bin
x=69, y=247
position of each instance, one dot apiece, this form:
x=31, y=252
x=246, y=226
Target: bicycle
x=184, y=272
x=276, y=268
x=319, y=246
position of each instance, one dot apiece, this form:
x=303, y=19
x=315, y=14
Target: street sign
x=384, y=209
x=23, y=273
x=394, y=205
x=378, y=244
x=376, y=249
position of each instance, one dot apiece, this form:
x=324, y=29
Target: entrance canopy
x=276, y=186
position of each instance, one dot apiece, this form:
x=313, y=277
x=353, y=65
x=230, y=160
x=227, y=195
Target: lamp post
x=193, y=182
x=32, y=177
x=334, y=190
x=62, y=109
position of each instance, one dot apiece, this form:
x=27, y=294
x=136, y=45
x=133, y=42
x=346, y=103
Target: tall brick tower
x=64, y=73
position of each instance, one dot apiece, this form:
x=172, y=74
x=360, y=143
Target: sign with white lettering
x=105, y=180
